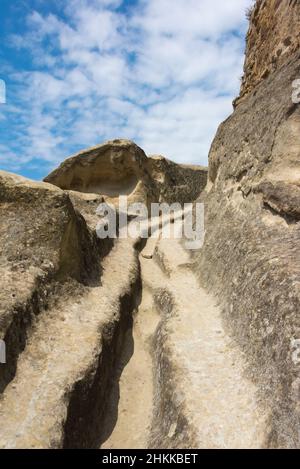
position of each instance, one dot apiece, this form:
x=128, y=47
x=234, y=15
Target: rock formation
x=273, y=36
x=250, y=258
x=44, y=241
x=134, y=343
x=68, y=297
x=120, y=167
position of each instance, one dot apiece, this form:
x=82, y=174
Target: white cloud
x=205, y=18
x=163, y=74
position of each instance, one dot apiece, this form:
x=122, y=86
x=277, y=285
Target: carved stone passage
x=132, y=343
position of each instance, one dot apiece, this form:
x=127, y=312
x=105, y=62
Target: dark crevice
x=47, y=290
x=290, y=220
x=93, y=404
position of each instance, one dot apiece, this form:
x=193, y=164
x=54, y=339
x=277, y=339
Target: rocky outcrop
x=273, y=37
x=176, y=183
x=68, y=298
x=127, y=343
x=65, y=307
x=44, y=242
x=120, y=167
x=250, y=258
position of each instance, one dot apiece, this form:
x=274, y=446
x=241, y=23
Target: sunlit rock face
x=69, y=301
x=90, y=324
x=112, y=169
x=120, y=167
x=273, y=37
x=251, y=256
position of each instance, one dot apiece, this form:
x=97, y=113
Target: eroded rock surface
x=44, y=242
x=273, y=37
x=68, y=298
x=120, y=167
x=126, y=343
x=250, y=258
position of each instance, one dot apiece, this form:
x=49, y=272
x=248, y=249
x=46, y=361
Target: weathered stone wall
x=177, y=182
x=273, y=37
x=250, y=258
x=44, y=242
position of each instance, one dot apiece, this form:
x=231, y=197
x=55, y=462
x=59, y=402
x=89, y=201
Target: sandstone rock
x=273, y=37
x=68, y=298
x=58, y=397
x=119, y=343
x=176, y=183
x=120, y=167
x=62, y=319
x=282, y=197
x=250, y=258
x=44, y=242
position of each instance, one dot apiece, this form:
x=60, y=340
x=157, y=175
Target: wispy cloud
x=158, y=71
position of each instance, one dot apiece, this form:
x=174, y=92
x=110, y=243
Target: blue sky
x=78, y=72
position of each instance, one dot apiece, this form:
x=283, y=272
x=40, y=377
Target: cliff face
x=250, y=258
x=273, y=37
